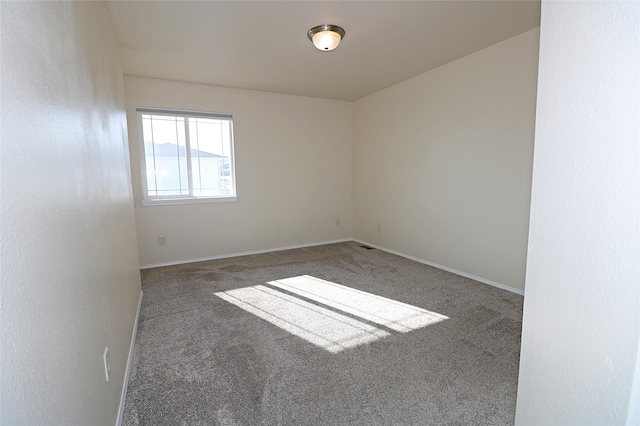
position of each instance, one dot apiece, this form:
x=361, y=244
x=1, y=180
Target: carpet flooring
x=328, y=335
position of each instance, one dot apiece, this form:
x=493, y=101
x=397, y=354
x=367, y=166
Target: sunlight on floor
x=395, y=315
x=320, y=326
x=324, y=327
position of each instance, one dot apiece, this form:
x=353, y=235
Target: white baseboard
x=446, y=268
x=125, y=385
x=246, y=253
x=425, y=262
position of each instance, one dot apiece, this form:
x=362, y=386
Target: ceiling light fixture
x=326, y=37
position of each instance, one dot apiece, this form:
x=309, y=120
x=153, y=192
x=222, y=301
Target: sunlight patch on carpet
x=390, y=313
x=324, y=327
x=317, y=325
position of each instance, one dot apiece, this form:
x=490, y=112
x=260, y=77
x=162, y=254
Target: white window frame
x=154, y=200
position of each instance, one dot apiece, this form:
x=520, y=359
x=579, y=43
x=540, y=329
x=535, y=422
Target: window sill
x=173, y=201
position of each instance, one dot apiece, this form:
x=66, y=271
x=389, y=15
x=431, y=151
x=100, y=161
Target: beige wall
x=70, y=278
x=579, y=362
x=293, y=174
x=442, y=162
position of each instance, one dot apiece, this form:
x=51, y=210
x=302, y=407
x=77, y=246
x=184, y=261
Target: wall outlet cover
x=107, y=363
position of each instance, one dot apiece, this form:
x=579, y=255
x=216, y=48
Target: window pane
x=197, y=163
x=167, y=164
x=226, y=149
x=210, y=160
x=149, y=155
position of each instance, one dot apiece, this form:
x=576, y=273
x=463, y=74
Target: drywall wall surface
x=69, y=268
x=293, y=160
x=633, y=416
x=442, y=162
x=582, y=305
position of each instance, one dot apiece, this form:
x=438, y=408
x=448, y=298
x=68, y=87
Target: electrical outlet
x=162, y=240
x=107, y=363
x=379, y=227
x=337, y=222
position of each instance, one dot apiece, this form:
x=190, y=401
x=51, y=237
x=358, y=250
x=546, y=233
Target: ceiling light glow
x=326, y=37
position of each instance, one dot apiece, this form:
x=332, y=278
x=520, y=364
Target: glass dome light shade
x=326, y=37
x=326, y=40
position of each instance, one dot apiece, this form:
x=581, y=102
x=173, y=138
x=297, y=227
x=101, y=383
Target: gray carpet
x=218, y=345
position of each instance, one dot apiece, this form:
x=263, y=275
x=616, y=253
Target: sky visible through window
x=206, y=135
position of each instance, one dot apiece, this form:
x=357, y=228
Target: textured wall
x=581, y=310
x=70, y=279
x=442, y=162
x=293, y=173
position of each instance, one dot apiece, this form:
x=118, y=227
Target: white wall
x=70, y=278
x=581, y=310
x=293, y=173
x=443, y=162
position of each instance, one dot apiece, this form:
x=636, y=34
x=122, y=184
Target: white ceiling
x=262, y=45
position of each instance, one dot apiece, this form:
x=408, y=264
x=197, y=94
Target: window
x=188, y=156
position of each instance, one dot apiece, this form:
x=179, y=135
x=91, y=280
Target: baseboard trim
x=246, y=253
x=397, y=253
x=445, y=268
x=125, y=384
